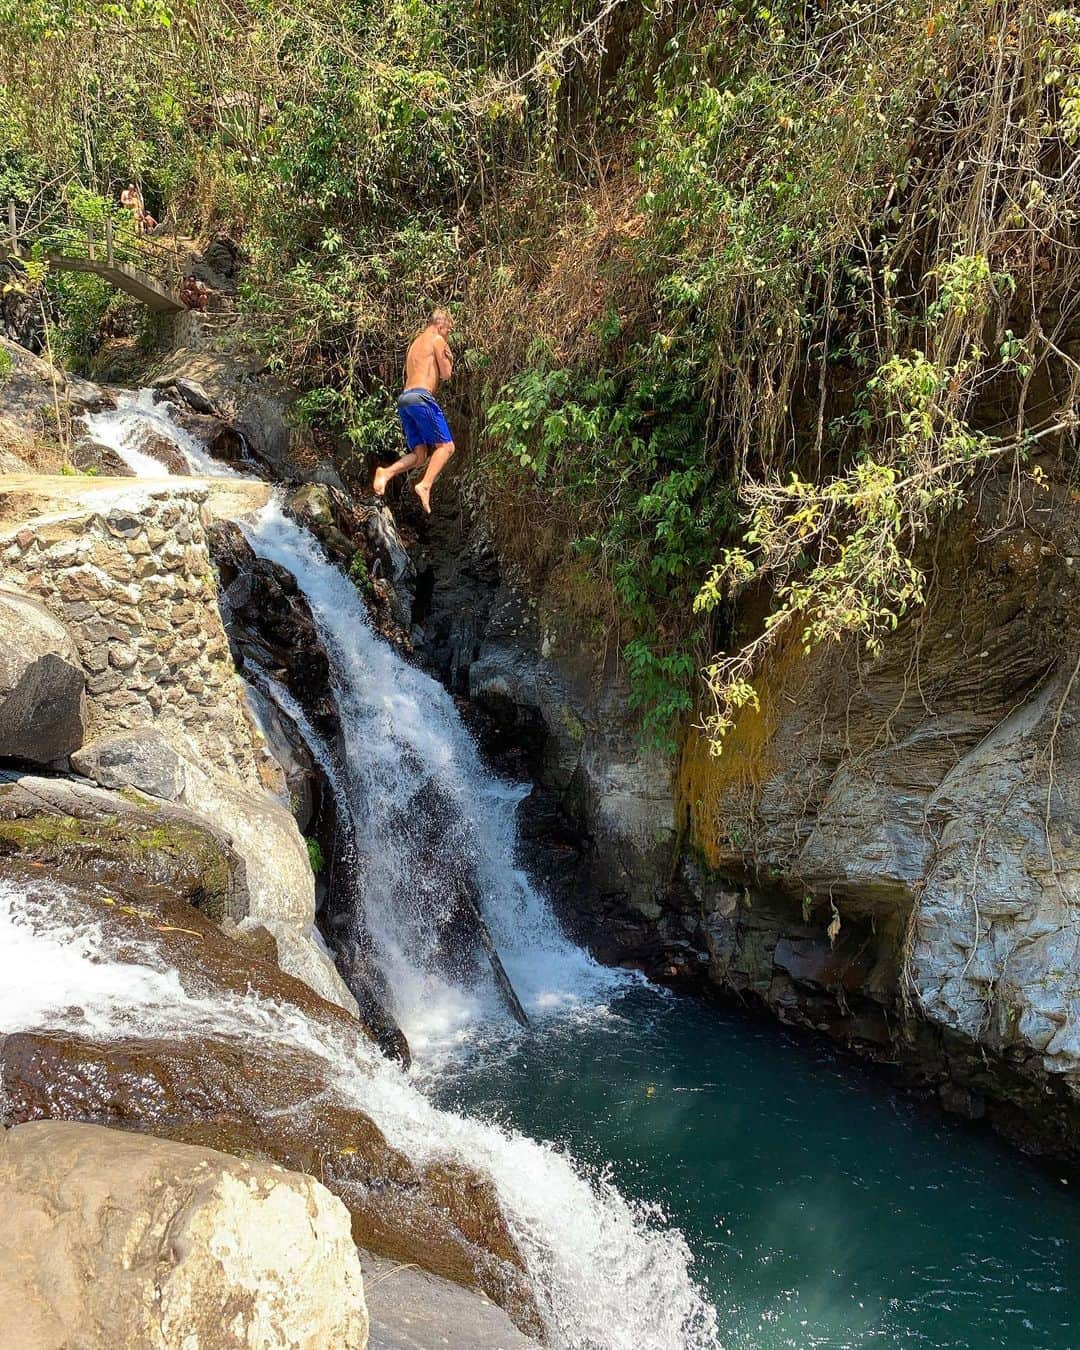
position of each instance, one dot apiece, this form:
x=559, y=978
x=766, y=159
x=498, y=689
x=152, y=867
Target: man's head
x=441, y=321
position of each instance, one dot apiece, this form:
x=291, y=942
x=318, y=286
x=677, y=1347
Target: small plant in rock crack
x=360, y=575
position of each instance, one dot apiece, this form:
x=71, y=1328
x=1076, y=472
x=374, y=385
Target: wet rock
x=218, y=437
x=88, y=456
x=110, y=1238
x=222, y=1087
x=355, y=533
x=189, y=392
x=326, y=472
x=303, y=781
x=367, y=984
x=127, y=841
x=270, y=625
x=42, y=684
x=303, y=956
x=413, y=1310
x=169, y=456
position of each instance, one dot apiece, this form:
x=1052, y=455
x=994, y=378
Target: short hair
x=439, y=314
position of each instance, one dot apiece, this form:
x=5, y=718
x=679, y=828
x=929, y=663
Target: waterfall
x=425, y=811
x=143, y=415
x=427, y=819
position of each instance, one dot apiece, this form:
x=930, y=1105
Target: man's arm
x=444, y=358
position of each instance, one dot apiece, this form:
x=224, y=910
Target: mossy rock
x=120, y=839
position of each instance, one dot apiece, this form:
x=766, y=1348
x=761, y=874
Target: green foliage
x=626, y=450
x=744, y=290
x=360, y=575
x=315, y=855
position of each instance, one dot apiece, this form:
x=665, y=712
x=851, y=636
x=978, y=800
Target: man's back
x=427, y=361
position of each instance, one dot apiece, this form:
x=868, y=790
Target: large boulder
x=145, y=759
x=270, y=625
x=110, y=1239
x=42, y=684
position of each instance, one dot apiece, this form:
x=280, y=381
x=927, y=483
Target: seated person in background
x=147, y=223
x=193, y=292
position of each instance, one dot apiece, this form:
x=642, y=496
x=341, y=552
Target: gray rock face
x=920, y=810
x=138, y=1243
x=412, y=1309
x=288, y=748
x=30, y=395
x=567, y=708
x=997, y=934
x=42, y=701
x=144, y=759
x=279, y=882
x=190, y=392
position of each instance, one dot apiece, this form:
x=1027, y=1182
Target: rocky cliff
x=884, y=852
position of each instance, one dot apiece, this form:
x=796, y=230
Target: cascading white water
x=408, y=753
x=608, y=1277
x=427, y=817
x=139, y=416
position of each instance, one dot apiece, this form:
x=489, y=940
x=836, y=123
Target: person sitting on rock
x=193, y=292
x=429, y=361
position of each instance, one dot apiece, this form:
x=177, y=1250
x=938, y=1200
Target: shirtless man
x=131, y=198
x=428, y=363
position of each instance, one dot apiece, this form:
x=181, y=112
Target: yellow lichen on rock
x=717, y=785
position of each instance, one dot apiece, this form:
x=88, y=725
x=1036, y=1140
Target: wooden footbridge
x=123, y=275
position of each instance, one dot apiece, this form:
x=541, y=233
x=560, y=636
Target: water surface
x=822, y=1209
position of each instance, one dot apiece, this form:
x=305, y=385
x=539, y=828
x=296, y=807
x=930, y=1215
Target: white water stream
x=424, y=809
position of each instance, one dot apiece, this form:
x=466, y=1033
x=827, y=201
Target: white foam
x=141, y=415
x=403, y=734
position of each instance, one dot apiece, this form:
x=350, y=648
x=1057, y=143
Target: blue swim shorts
x=422, y=420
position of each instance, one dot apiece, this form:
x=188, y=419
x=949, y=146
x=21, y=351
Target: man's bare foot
x=424, y=493
x=379, y=486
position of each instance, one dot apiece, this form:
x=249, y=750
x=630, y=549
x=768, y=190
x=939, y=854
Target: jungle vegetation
x=748, y=294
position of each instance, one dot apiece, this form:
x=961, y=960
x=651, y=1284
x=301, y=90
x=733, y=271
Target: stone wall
x=124, y=565
x=130, y=577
